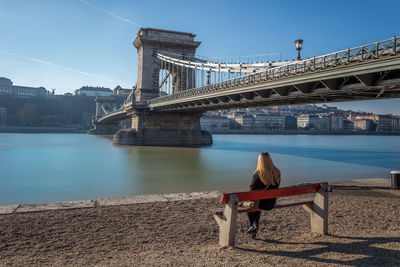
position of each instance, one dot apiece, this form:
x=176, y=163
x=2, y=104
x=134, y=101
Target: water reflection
x=165, y=169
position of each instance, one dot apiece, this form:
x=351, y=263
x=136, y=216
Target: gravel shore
x=364, y=227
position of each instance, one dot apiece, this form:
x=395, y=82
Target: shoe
x=252, y=229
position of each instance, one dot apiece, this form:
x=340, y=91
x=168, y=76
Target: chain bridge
x=174, y=86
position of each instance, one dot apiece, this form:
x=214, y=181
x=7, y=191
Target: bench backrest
x=274, y=193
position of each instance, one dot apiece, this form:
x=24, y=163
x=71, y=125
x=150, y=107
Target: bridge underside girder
x=113, y=117
x=363, y=86
x=351, y=95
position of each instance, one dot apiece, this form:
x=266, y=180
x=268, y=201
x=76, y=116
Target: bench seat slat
x=273, y=193
x=220, y=211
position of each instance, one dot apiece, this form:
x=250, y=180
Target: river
x=60, y=167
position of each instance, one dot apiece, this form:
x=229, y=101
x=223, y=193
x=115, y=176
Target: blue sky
x=66, y=44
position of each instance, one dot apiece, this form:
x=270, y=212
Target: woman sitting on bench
x=266, y=176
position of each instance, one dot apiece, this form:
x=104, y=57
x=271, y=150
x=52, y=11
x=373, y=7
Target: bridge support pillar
x=164, y=129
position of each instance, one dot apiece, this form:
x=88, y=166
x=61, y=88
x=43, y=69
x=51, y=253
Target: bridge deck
x=371, y=79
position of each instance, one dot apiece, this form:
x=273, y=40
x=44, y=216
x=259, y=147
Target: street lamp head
x=299, y=44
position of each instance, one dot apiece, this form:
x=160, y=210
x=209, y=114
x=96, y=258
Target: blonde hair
x=266, y=170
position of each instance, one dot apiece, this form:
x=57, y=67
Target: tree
x=29, y=115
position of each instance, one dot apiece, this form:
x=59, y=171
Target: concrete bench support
x=319, y=211
x=227, y=222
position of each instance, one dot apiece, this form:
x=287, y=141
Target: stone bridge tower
x=162, y=128
x=150, y=40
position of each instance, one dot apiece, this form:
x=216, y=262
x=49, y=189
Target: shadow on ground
x=344, y=250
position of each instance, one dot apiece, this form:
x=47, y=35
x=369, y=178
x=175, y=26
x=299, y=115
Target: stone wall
x=164, y=129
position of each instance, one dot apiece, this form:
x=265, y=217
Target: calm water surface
x=59, y=167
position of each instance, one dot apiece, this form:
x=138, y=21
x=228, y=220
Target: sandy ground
x=364, y=228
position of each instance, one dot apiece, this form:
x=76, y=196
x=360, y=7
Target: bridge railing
x=344, y=57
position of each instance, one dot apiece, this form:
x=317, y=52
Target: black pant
x=254, y=217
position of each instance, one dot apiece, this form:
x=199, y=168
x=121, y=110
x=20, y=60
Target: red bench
x=317, y=206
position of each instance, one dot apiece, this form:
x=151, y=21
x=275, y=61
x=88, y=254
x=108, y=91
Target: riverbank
x=301, y=132
x=20, y=129
x=364, y=228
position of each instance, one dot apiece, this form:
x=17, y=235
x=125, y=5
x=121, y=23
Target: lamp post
x=299, y=44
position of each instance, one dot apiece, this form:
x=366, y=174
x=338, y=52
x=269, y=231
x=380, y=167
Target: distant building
x=348, y=125
x=263, y=121
x=307, y=121
x=396, y=123
x=93, y=91
x=7, y=88
x=68, y=94
x=364, y=125
x=233, y=124
x=211, y=123
x=337, y=122
x=5, y=83
x=383, y=122
x=3, y=116
x=260, y=121
x=123, y=92
x=246, y=122
x=324, y=123
x=290, y=123
x=275, y=122
x=233, y=115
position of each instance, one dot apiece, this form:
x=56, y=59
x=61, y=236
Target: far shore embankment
x=21, y=129
x=300, y=132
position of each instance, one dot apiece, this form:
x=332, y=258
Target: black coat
x=257, y=184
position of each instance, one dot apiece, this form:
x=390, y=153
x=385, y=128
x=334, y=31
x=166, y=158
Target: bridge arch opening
x=175, y=78
x=172, y=79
